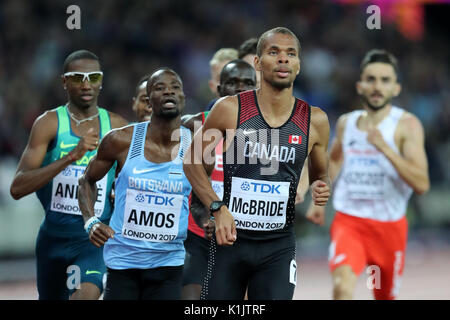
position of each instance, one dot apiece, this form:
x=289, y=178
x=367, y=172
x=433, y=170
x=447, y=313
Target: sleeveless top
x=262, y=168
x=151, y=208
x=368, y=185
x=60, y=196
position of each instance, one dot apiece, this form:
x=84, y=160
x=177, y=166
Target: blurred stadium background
x=133, y=38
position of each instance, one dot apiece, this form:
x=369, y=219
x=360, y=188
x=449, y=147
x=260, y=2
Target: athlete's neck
x=275, y=103
x=83, y=111
x=374, y=117
x=161, y=130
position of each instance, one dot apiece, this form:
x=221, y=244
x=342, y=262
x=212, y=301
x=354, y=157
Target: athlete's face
x=166, y=96
x=250, y=59
x=215, y=76
x=140, y=104
x=279, y=62
x=378, y=85
x=83, y=94
x=237, y=79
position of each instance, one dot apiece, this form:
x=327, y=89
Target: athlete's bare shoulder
x=189, y=120
x=319, y=127
x=409, y=123
x=318, y=116
x=226, y=103
x=117, y=140
x=223, y=114
x=46, y=125
x=342, y=120
x=117, y=121
x=408, y=118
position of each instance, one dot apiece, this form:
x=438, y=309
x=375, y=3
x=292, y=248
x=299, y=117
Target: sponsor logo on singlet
x=259, y=204
x=365, y=175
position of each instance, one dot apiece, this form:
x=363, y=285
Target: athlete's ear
x=299, y=67
x=64, y=82
x=257, y=63
x=219, y=90
x=359, y=88
x=397, y=89
x=133, y=106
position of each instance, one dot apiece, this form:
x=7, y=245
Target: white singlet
x=368, y=185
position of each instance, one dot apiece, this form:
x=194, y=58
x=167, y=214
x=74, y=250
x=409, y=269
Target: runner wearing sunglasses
x=61, y=144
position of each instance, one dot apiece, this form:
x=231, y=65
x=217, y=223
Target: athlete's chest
x=160, y=153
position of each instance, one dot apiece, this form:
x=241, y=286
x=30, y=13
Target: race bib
x=365, y=178
x=258, y=204
x=151, y=216
x=65, y=191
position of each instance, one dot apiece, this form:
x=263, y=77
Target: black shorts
x=196, y=261
x=266, y=267
x=162, y=283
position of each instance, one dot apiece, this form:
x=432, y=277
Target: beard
x=169, y=114
x=280, y=85
x=375, y=107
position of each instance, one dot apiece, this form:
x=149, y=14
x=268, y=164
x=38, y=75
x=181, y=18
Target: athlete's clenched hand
x=316, y=214
x=88, y=142
x=320, y=192
x=209, y=227
x=225, y=227
x=100, y=233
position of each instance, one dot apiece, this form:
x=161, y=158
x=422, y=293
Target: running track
x=426, y=276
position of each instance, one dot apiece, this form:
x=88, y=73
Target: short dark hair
x=240, y=64
x=265, y=35
x=140, y=82
x=165, y=69
x=379, y=55
x=78, y=55
x=247, y=47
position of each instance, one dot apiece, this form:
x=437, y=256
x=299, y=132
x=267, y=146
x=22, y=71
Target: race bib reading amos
x=151, y=216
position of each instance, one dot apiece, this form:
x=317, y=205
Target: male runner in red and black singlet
x=268, y=134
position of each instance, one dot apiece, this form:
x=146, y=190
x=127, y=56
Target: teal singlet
x=60, y=196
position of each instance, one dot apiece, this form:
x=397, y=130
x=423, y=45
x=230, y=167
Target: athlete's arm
x=117, y=121
x=111, y=149
x=336, y=151
x=318, y=164
x=316, y=213
x=411, y=164
x=30, y=177
x=303, y=184
x=192, y=121
x=222, y=116
x=200, y=213
x=318, y=157
x=201, y=216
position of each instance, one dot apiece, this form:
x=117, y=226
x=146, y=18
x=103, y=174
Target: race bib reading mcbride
x=151, y=216
x=258, y=204
x=65, y=191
